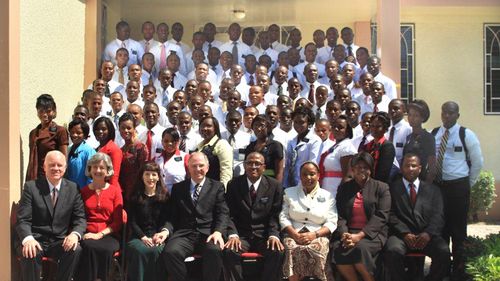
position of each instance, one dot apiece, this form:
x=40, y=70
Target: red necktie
x=149, y=144
x=311, y=94
x=413, y=194
x=375, y=109
x=253, y=193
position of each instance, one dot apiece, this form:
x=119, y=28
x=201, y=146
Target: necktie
x=163, y=57
x=391, y=134
x=442, y=149
x=196, y=194
x=121, y=78
x=115, y=119
x=235, y=52
x=232, y=140
x=146, y=49
x=149, y=144
x=107, y=92
x=375, y=108
x=150, y=82
x=53, y=196
x=280, y=90
x=413, y=194
x=318, y=113
x=165, y=99
x=253, y=193
x=311, y=94
x=252, y=83
x=182, y=145
x=349, y=51
x=173, y=78
x=361, y=146
x=123, y=44
x=209, y=46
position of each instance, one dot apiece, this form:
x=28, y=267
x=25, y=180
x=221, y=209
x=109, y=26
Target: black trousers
x=183, y=244
x=67, y=261
x=272, y=259
x=395, y=250
x=456, y=196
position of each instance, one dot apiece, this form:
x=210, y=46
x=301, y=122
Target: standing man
x=199, y=215
x=177, y=33
x=162, y=50
x=235, y=46
x=373, y=67
x=254, y=202
x=347, y=36
x=459, y=161
x=123, y=40
x=416, y=221
x=210, y=30
x=148, y=32
x=50, y=221
x=274, y=36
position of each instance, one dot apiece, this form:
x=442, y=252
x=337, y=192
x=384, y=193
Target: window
x=491, y=68
x=407, y=58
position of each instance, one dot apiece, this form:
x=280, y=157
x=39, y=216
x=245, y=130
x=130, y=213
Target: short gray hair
x=95, y=159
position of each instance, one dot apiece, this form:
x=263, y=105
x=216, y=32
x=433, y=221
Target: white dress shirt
x=278, y=47
x=151, y=43
x=184, y=47
x=243, y=50
x=299, y=68
x=389, y=85
x=401, y=130
x=156, y=145
x=169, y=47
x=215, y=43
x=324, y=54
x=135, y=51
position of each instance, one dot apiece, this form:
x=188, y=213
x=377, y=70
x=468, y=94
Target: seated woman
x=334, y=163
x=104, y=132
x=103, y=207
x=79, y=153
x=217, y=150
x=363, y=206
x=308, y=218
x=172, y=161
x=270, y=149
x=380, y=148
x=147, y=217
x=135, y=154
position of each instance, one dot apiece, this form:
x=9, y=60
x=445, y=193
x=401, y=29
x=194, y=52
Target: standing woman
x=45, y=137
x=172, y=162
x=380, y=148
x=217, y=150
x=104, y=132
x=147, y=220
x=363, y=206
x=334, y=163
x=420, y=141
x=308, y=218
x=270, y=149
x=135, y=154
x=79, y=153
x=103, y=208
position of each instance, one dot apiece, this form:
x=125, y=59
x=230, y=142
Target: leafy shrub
x=483, y=257
x=485, y=268
x=482, y=194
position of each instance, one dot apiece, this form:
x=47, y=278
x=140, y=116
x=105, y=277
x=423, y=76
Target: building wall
x=51, y=59
x=449, y=66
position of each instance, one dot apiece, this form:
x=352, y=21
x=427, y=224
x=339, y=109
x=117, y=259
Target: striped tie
x=442, y=149
x=196, y=194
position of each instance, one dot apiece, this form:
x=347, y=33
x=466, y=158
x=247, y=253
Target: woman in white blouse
x=308, y=218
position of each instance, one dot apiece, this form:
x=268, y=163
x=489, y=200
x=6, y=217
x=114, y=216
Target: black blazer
x=387, y=153
x=260, y=219
x=426, y=216
x=377, y=204
x=210, y=213
x=37, y=217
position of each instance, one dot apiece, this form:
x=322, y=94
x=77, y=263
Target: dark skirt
x=144, y=263
x=366, y=252
x=96, y=258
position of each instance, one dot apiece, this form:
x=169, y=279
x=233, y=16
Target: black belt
x=447, y=182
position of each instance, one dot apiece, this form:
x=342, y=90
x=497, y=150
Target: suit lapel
x=186, y=196
x=405, y=197
x=204, y=189
x=61, y=197
x=45, y=191
x=245, y=194
x=263, y=187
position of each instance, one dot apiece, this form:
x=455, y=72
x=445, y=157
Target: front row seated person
x=254, y=202
x=50, y=221
x=199, y=215
x=363, y=206
x=308, y=218
x=416, y=222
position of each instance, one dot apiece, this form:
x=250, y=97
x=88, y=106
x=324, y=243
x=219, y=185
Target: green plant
x=485, y=268
x=482, y=195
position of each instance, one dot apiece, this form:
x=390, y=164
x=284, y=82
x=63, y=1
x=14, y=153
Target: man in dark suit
x=50, y=221
x=198, y=216
x=254, y=202
x=416, y=221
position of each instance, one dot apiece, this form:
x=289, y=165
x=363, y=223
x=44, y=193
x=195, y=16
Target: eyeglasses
x=253, y=164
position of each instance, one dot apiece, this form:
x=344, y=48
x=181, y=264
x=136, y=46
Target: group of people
x=302, y=154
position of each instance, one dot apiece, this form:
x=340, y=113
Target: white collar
x=57, y=186
x=193, y=184
x=255, y=184
x=416, y=183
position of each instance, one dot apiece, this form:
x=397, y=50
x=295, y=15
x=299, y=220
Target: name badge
x=241, y=154
x=134, y=52
x=399, y=144
x=178, y=159
x=264, y=199
x=159, y=150
x=458, y=149
x=321, y=199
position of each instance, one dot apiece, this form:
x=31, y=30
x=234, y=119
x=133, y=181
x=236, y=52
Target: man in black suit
x=198, y=216
x=416, y=221
x=254, y=202
x=50, y=221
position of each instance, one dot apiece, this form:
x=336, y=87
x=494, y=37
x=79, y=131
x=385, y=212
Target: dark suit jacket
x=426, y=216
x=377, y=204
x=210, y=213
x=260, y=219
x=37, y=217
x=385, y=161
